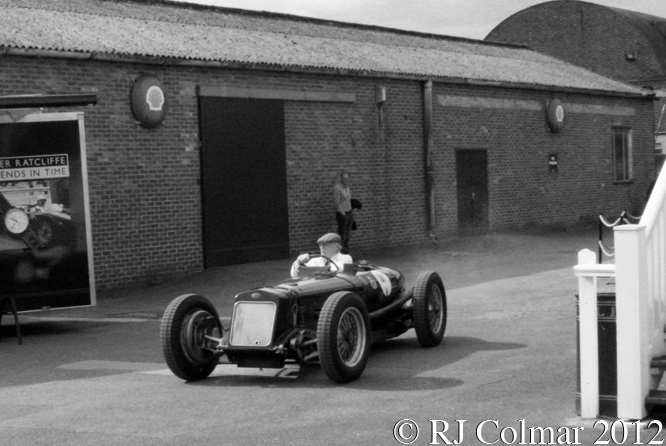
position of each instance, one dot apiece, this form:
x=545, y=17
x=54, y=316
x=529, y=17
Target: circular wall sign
x=149, y=103
x=555, y=115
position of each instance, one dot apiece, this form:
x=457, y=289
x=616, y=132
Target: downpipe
x=428, y=157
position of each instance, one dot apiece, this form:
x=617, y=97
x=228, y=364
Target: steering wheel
x=328, y=260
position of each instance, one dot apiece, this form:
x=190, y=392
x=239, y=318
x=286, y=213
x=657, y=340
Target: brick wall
x=594, y=37
x=512, y=127
x=145, y=184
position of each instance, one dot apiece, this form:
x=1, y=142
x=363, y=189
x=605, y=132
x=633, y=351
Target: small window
x=622, y=156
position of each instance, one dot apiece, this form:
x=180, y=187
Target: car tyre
x=429, y=311
x=343, y=337
x=185, y=322
x=44, y=230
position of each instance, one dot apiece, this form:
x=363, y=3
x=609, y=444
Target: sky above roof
x=462, y=18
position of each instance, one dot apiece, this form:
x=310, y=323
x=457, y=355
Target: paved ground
x=461, y=262
x=509, y=354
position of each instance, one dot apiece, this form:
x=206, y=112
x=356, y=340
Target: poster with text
x=45, y=238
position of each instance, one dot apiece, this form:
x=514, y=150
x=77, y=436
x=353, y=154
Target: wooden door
x=472, y=179
x=244, y=180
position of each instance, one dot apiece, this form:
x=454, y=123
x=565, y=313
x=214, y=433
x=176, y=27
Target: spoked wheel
x=186, y=321
x=343, y=337
x=45, y=232
x=429, y=309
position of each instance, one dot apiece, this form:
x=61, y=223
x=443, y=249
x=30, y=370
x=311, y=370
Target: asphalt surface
x=462, y=262
x=509, y=354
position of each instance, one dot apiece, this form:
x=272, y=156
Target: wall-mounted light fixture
x=380, y=94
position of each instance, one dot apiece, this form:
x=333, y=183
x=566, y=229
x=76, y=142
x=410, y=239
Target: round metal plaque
x=555, y=115
x=149, y=103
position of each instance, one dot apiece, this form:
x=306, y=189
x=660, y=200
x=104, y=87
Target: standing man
x=343, y=210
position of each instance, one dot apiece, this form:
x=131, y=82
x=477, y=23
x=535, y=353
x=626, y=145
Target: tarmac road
x=97, y=376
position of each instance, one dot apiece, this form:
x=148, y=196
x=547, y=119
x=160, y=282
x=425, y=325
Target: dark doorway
x=244, y=180
x=472, y=177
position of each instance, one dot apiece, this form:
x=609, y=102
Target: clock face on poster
x=16, y=221
x=555, y=116
x=149, y=103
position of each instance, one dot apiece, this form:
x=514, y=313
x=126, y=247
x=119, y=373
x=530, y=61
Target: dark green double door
x=244, y=180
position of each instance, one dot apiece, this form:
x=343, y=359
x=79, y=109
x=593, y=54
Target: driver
x=329, y=245
x=41, y=207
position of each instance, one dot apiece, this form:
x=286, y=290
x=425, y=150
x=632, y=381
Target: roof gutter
x=198, y=63
x=47, y=100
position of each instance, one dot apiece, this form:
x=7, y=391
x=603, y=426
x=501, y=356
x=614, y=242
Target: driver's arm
x=300, y=261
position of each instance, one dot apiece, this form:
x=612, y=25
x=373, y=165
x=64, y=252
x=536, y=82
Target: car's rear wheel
x=429, y=310
x=186, y=321
x=343, y=337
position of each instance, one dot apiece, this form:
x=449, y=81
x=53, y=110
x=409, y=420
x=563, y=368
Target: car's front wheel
x=44, y=231
x=186, y=322
x=343, y=337
x=429, y=310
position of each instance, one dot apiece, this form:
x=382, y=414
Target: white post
x=631, y=290
x=588, y=343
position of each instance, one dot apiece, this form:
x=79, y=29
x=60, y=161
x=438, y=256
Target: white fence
x=640, y=286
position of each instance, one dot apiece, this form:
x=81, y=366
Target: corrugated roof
x=182, y=31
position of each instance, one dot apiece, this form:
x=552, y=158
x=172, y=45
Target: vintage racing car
x=330, y=316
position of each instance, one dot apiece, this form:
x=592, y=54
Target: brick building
x=439, y=134
x=621, y=44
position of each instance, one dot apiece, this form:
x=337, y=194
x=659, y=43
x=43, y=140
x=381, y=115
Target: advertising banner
x=45, y=233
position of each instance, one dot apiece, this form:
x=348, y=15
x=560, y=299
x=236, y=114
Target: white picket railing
x=640, y=289
x=588, y=271
x=654, y=222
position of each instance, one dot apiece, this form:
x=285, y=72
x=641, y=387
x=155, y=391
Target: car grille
x=252, y=324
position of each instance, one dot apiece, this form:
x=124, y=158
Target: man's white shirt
x=339, y=260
